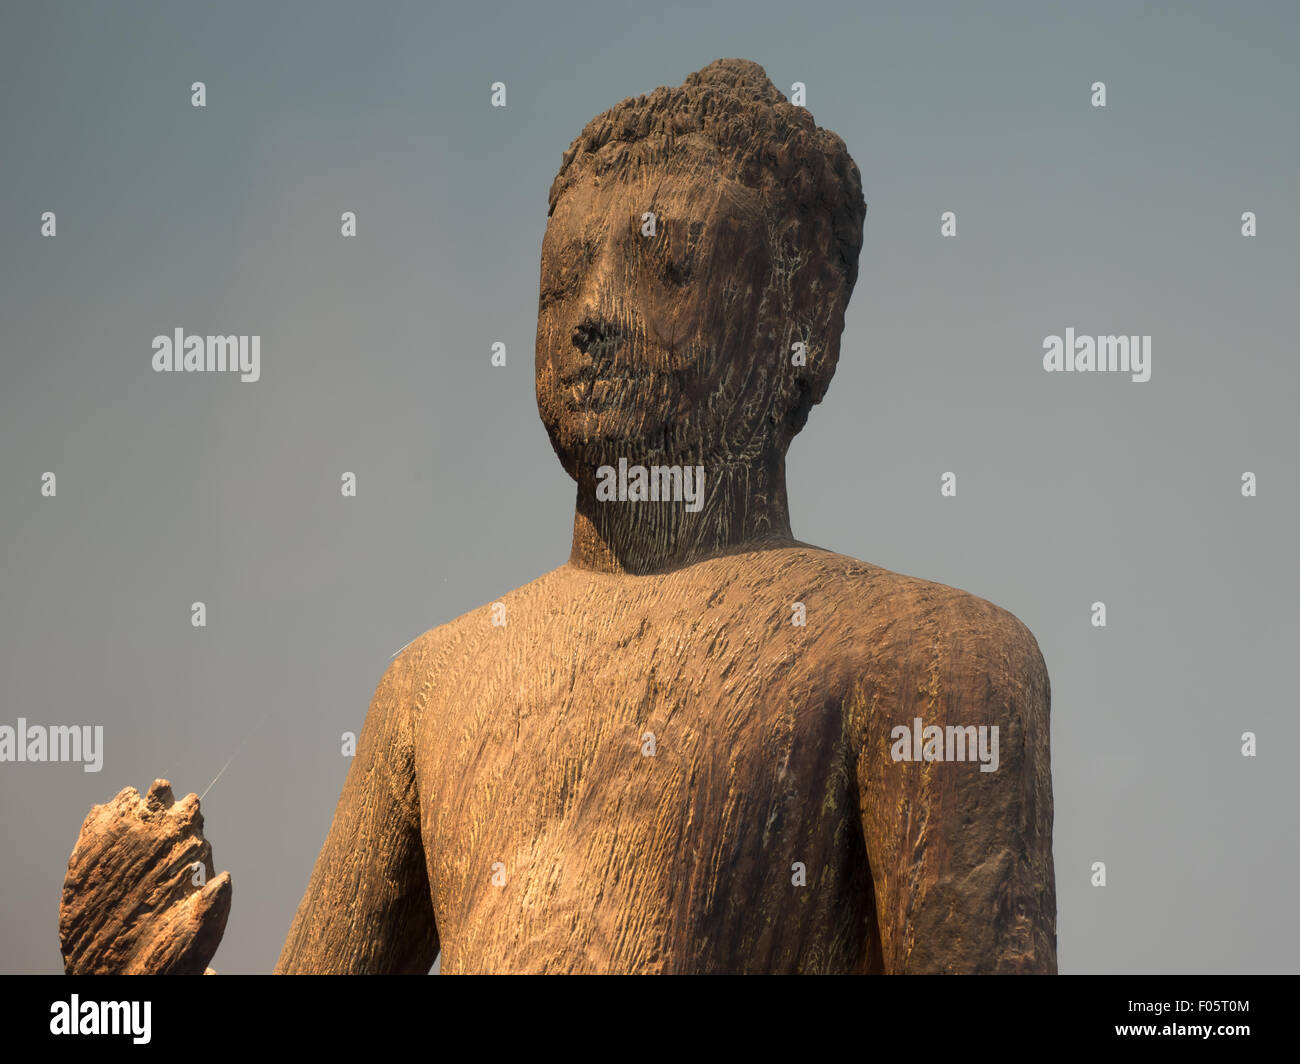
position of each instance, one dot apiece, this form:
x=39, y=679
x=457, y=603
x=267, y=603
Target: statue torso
x=653, y=773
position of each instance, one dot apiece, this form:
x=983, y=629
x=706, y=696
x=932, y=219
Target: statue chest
x=642, y=802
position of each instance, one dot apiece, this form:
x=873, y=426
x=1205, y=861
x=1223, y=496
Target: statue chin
x=593, y=451
x=588, y=438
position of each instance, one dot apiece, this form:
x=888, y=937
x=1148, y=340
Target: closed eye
x=678, y=272
x=679, y=252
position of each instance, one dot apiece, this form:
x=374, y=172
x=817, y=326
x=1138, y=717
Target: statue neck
x=738, y=503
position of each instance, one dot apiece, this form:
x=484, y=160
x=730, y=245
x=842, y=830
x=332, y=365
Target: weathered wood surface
x=130, y=904
x=516, y=753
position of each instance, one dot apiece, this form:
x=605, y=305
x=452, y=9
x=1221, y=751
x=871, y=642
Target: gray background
x=1072, y=488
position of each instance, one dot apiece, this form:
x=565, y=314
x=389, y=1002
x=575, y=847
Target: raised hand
x=141, y=896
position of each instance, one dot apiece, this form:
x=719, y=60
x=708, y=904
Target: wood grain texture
x=130, y=904
x=520, y=747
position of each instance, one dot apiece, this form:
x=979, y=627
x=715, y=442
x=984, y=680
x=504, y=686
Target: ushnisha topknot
x=732, y=109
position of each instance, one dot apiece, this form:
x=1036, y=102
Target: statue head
x=695, y=235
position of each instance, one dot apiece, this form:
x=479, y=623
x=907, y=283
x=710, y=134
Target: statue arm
x=961, y=859
x=367, y=909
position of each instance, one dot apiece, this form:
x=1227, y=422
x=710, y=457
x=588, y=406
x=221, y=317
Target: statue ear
x=808, y=375
x=796, y=415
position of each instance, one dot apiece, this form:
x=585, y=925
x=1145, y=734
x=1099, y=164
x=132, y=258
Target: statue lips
x=600, y=377
x=601, y=380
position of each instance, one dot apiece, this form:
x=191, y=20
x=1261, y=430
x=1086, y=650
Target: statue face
x=646, y=343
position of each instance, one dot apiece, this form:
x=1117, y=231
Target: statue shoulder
x=456, y=643
x=900, y=622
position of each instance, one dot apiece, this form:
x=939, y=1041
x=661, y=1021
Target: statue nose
x=601, y=272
